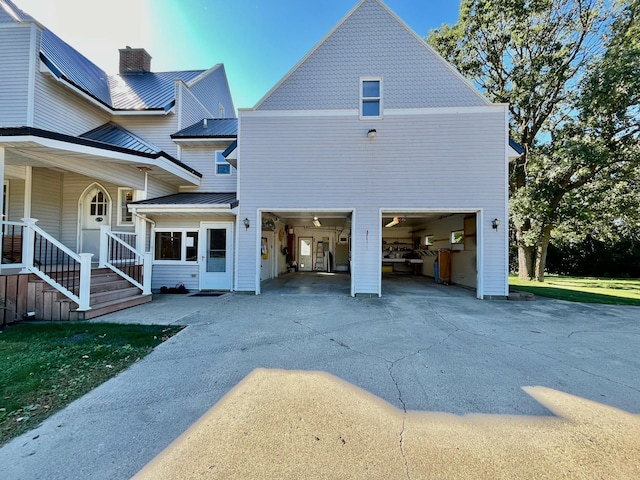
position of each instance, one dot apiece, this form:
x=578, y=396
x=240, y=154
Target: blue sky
x=258, y=41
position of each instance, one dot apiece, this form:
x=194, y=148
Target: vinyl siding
x=14, y=73
x=158, y=188
x=371, y=42
x=191, y=110
x=59, y=109
x=46, y=205
x=16, y=201
x=171, y=275
x=203, y=160
x=154, y=129
x=447, y=161
x=212, y=91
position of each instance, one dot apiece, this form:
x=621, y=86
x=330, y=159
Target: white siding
x=158, y=188
x=191, y=110
x=59, y=109
x=15, y=49
x=445, y=161
x=213, y=90
x=371, y=42
x=16, y=200
x=171, y=275
x=203, y=160
x=46, y=205
x=154, y=129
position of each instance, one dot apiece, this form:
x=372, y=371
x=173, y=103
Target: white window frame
x=183, y=247
x=363, y=98
x=223, y=162
x=121, y=205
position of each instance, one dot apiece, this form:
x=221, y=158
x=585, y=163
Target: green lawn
x=581, y=289
x=45, y=366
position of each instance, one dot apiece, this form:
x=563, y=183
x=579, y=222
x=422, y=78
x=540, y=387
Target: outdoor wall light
x=372, y=133
x=247, y=224
x=495, y=223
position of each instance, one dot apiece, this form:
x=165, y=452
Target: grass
x=583, y=289
x=45, y=366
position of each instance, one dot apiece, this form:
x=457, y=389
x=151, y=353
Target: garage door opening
x=306, y=252
x=423, y=249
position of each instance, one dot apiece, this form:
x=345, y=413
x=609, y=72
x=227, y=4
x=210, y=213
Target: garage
x=438, y=246
x=306, y=250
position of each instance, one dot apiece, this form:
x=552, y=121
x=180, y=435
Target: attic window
x=370, y=98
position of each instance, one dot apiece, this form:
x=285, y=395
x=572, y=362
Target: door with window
x=95, y=211
x=216, y=256
x=306, y=254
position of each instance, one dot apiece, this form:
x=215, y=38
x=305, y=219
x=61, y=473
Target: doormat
x=207, y=294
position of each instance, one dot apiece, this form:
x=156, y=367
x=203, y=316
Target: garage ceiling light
x=395, y=221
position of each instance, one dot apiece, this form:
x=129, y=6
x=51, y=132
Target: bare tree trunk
x=525, y=256
x=543, y=247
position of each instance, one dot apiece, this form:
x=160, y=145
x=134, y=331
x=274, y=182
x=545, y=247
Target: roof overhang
x=231, y=154
x=73, y=153
x=182, y=210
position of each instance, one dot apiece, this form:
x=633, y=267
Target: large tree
x=536, y=55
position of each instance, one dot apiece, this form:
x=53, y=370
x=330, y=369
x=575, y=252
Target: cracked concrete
x=431, y=348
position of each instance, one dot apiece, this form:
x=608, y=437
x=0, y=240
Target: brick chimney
x=134, y=61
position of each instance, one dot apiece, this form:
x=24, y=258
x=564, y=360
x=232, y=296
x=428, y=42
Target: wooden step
x=110, y=307
x=107, y=296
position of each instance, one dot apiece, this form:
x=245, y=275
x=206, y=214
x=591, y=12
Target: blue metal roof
x=68, y=64
x=153, y=90
x=230, y=148
x=516, y=146
x=198, y=198
x=114, y=134
x=210, y=128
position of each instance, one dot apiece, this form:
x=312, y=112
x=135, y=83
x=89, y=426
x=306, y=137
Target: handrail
x=71, y=272
x=124, y=259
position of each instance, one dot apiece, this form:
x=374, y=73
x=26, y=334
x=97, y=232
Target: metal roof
x=209, y=199
x=114, y=134
x=516, y=146
x=230, y=149
x=147, y=91
x=210, y=128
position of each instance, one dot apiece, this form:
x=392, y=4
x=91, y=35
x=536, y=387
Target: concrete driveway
x=429, y=349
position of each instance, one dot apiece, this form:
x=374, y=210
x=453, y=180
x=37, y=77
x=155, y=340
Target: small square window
x=371, y=98
x=457, y=237
x=222, y=166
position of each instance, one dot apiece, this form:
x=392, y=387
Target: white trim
x=159, y=162
x=31, y=79
x=239, y=218
x=304, y=59
x=379, y=98
x=28, y=190
x=147, y=209
x=387, y=112
x=119, y=221
x=505, y=221
x=202, y=242
x=438, y=56
x=211, y=140
x=4, y=207
x=183, y=248
x=479, y=236
x=80, y=211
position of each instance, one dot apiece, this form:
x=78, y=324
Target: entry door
x=306, y=255
x=216, y=256
x=95, y=212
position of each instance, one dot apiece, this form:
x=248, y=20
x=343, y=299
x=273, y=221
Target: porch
x=40, y=278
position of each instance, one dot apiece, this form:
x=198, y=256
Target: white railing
x=122, y=258
x=44, y=256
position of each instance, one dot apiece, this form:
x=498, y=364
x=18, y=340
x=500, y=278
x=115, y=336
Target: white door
x=306, y=255
x=216, y=256
x=95, y=211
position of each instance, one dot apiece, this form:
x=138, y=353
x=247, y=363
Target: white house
x=371, y=155
x=389, y=150
x=78, y=147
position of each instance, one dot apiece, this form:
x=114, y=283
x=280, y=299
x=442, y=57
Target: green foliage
x=570, y=70
x=46, y=366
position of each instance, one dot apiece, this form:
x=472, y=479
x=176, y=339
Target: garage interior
x=310, y=250
x=440, y=246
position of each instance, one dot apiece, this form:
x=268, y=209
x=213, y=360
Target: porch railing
x=41, y=254
x=118, y=253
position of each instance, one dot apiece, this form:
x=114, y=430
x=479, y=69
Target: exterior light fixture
x=372, y=133
x=316, y=222
x=247, y=224
x=495, y=223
